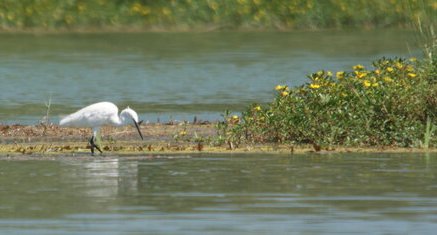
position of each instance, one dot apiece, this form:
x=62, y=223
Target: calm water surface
x=221, y=194
x=173, y=75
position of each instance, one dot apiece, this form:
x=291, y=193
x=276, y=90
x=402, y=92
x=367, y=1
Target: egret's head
x=128, y=115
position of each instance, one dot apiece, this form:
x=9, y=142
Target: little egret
x=99, y=114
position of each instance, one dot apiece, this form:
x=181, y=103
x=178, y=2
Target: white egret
x=99, y=114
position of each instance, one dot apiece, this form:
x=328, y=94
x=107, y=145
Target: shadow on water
x=241, y=194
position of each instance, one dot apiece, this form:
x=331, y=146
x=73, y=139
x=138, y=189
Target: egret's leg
x=98, y=148
x=93, y=145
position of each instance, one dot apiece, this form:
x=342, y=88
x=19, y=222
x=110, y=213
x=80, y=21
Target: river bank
x=210, y=15
x=31, y=142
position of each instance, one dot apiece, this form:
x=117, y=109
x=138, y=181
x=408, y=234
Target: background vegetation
x=392, y=103
x=209, y=14
x=388, y=104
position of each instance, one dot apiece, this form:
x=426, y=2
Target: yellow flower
x=390, y=69
x=281, y=87
x=367, y=83
x=340, y=74
x=257, y=108
x=314, y=86
x=410, y=68
x=329, y=73
x=378, y=72
x=182, y=133
x=360, y=74
x=388, y=79
x=358, y=67
x=136, y=7
x=411, y=75
x=145, y=11
x=29, y=11
x=81, y=7
x=213, y=5
x=166, y=11
x=234, y=119
x=259, y=15
x=284, y=93
x=413, y=59
x=69, y=19
x=399, y=65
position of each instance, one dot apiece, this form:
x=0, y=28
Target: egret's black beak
x=137, y=125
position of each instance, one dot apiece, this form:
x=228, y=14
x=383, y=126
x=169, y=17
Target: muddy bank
x=48, y=141
x=54, y=133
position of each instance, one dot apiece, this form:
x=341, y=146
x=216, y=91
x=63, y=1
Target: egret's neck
x=121, y=120
x=116, y=120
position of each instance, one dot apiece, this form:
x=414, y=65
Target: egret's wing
x=91, y=116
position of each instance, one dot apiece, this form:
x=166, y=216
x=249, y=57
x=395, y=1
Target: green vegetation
x=394, y=103
x=388, y=104
x=209, y=14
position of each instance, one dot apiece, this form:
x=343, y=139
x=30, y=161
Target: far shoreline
x=200, y=29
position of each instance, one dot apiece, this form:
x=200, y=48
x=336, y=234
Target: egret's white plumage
x=99, y=114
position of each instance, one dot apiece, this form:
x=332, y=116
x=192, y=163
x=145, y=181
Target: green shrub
x=387, y=104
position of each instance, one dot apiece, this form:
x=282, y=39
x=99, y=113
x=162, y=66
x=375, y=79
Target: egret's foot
x=93, y=145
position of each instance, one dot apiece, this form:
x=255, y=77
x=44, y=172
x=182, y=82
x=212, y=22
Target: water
x=221, y=194
x=173, y=75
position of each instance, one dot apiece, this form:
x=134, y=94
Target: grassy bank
x=209, y=15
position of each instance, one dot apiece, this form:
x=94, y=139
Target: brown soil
x=54, y=133
x=46, y=139
x=18, y=141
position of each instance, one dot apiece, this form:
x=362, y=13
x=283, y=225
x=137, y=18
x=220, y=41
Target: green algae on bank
x=182, y=138
x=129, y=148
